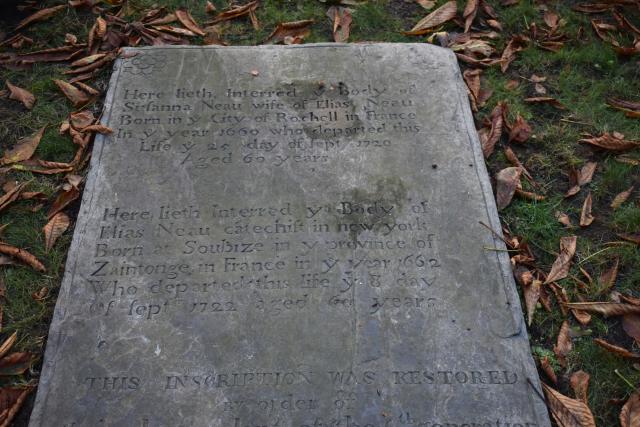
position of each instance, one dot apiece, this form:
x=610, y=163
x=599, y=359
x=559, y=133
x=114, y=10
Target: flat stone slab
x=288, y=237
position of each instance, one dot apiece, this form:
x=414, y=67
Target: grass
x=581, y=76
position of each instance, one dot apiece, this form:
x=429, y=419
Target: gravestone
x=288, y=237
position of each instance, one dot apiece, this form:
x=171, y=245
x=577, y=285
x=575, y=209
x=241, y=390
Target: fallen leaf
x=507, y=181
x=608, y=278
x=516, y=44
x=607, y=309
x=520, y=131
x=23, y=149
x=56, y=226
x=586, y=218
x=630, y=413
x=585, y=175
x=11, y=400
x=15, y=364
x=548, y=369
x=472, y=79
x=494, y=133
x=610, y=142
x=580, y=384
x=40, y=15
x=98, y=128
x=531, y=298
x=40, y=294
x=88, y=60
x=11, y=195
x=341, y=18
x=529, y=195
x=75, y=95
x=630, y=108
x=427, y=4
x=551, y=19
x=444, y=13
x=568, y=412
x=511, y=156
x=7, y=344
x=631, y=325
x=234, y=12
x=545, y=100
x=64, y=198
x=469, y=14
x=618, y=351
x=22, y=95
x=621, y=198
x=209, y=8
x=630, y=237
x=563, y=343
x=290, y=29
x=564, y=219
x=560, y=267
x=22, y=255
x=187, y=20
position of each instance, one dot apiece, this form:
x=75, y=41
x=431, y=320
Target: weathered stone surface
x=290, y=237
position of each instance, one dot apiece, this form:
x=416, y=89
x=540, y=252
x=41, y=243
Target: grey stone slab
x=288, y=237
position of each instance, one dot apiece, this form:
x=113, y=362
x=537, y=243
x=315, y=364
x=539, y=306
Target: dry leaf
x=469, y=14
x=21, y=95
x=507, y=180
x=586, y=173
x=40, y=294
x=189, y=23
x=444, y=13
x=606, y=308
x=618, y=351
x=65, y=197
x=580, y=384
x=290, y=29
x=235, y=12
x=75, y=95
x=531, y=298
x=23, y=149
x=341, y=18
x=55, y=228
x=630, y=413
x=11, y=400
x=7, y=344
x=585, y=216
x=568, y=412
x=548, y=369
x=88, y=60
x=22, y=255
x=563, y=344
x=15, y=364
x=520, y=131
x=564, y=219
x=427, y=4
x=631, y=325
x=560, y=267
x=545, y=100
x=630, y=237
x=621, y=198
x=614, y=142
x=209, y=8
x=608, y=278
x=630, y=108
x=494, y=133
x=516, y=44
x=40, y=15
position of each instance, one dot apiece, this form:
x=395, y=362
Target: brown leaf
x=545, y=100
x=187, y=20
x=427, y=4
x=65, y=197
x=608, y=278
x=580, y=384
x=7, y=344
x=520, y=131
x=290, y=29
x=511, y=156
x=631, y=325
x=548, y=369
x=531, y=298
x=40, y=294
x=23, y=149
x=40, y=15
x=11, y=400
x=585, y=216
x=15, y=364
x=551, y=19
x=234, y=12
x=568, y=412
x=614, y=142
x=528, y=195
x=21, y=95
x=341, y=18
x=75, y=95
x=98, y=128
x=472, y=80
x=469, y=14
x=630, y=237
x=630, y=108
x=516, y=44
x=81, y=119
x=88, y=60
x=56, y=226
x=607, y=309
x=444, y=13
x=618, y=351
x=507, y=180
x=497, y=124
x=564, y=219
x=621, y=198
x=22, y=255
x=560, y=267
x=209, y=8
x=563, y=344
x=11, y=195
x=630, y=413
x=585, y=175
